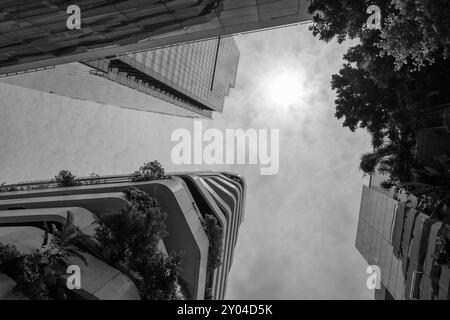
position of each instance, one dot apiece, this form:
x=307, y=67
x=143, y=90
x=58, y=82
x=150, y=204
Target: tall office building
x=190, y=79
x=35, y=34
x=400, y=239
x=402, y=242
x=186, y=198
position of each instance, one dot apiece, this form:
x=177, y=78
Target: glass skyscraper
x=190, y=79
x=402, y=242
x=196, y=76
x=34, y=33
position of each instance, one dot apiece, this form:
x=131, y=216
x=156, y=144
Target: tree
x=342, y=19
x=160, y=277
x=65, y=178
x=64, y=242
x=149, y=171
x=215, y=236
x=416, y=32
x=372, y=93
x=130, y=238
x=39, y=275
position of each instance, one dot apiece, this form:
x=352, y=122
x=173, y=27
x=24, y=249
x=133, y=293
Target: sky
x=297, y=240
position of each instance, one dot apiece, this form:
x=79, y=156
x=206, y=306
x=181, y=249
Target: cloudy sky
x=297, y=241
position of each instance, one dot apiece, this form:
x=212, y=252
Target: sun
x=283, y=89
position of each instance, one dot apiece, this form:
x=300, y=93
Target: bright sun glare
x=284, y=89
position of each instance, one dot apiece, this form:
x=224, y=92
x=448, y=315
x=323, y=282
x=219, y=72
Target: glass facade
x=205, y=70
x=403, y=243
x=34, y=34
x=375, y=235
x=196, y=76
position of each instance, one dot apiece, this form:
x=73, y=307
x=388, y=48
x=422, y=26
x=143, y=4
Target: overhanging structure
x=186, y=198
x=33, y=33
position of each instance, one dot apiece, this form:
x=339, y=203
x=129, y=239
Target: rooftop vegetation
x=149, y=171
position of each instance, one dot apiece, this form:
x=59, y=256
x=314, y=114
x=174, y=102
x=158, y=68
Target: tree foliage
x=65, y=178
x=149, y=171
x=388, y=81
x=38, y=275
x=215, y=236
x=131, y=238
x=442, y=257
x=341, y=19
x=416, y=31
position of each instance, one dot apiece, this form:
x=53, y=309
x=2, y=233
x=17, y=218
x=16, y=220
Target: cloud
x=298, y=238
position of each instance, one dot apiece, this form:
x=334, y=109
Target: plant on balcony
x=4, y=188
x=95, y=179
x=215, y=237
x=141, y=200
x=442, y=257
x=159, y=274
x=66, y=240
x=130, y=240
x=208, y=294
x=65, y=178
x=430, y=185
x=38, y=275
x=149, y=171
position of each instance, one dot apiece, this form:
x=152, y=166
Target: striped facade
x=185, y=197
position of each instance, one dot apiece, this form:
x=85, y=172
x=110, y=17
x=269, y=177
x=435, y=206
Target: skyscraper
x=195, y=77
x=402, y=242
x=34, y=33
x=187, y=198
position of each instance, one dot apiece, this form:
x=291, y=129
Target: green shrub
x=4, y=188
x=160, y=277
x=38, y=275
x=95, y=179
x=65, y=178
x=40, y=278
x=215, y=237
x=149, y=171
x=140, y=199
x=9, y=257
x=443, y=255
x=131, y=238
x=208, y=294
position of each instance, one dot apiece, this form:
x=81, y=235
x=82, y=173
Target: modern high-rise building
x=395, y=235
x=35, y=33
x=402, y=242
x=190, y=79
x=186, y=198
